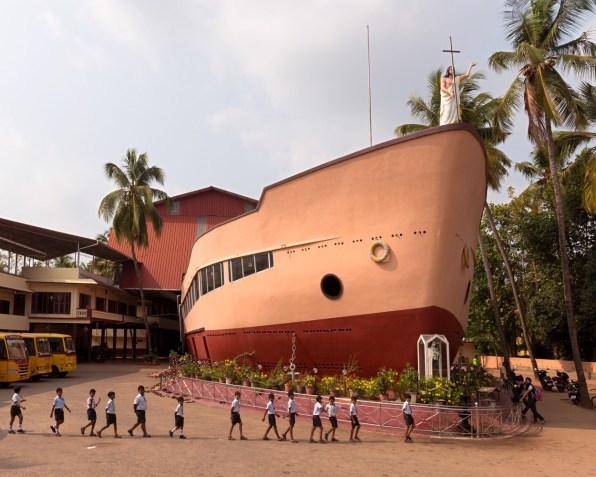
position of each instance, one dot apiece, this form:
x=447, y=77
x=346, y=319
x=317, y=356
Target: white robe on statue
x=448, y=112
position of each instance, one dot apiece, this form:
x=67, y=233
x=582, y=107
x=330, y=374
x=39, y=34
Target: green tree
x=105, y=268
x=131, y=208
x=65, y=261
x=541, y=33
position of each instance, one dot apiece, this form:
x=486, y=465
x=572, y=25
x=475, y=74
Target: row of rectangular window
x=209, y=278
x=50, y=303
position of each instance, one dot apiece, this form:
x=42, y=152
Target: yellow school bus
x=63, y=354
x=14, y=362
x=40, y=360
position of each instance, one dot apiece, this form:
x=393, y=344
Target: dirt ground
x=563, y=445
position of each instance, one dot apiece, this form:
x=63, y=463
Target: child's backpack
x=537, y=393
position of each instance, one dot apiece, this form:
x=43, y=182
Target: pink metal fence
x=476, y=421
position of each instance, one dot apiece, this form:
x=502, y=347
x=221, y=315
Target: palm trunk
x=566, y=275
x=495, y=305
x=143, y=308
x=514, y=289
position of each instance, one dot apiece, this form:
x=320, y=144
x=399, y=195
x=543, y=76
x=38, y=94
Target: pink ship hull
x=420, y=198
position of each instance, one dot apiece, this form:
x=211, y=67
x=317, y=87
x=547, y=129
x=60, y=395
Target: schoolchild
x=408, y=418
x=91, y=414
x=529, y=400
x=110, y=415
x=15, y=411
x=271, y=414
x=179, y=418
x=57, y=412
x=331, y=409
x=354, y=420
x=292, y=418
x=316, y=421
x=140, y=407
x=235, y=417
x=518, y=390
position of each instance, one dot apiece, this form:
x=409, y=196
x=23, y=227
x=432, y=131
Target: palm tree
x=65, y=261
x=492, y=119
x=105, y=268
x=588, y=94
x=540, y=32
x=131, y=207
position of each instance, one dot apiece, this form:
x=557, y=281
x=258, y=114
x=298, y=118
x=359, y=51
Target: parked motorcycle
x=573, y=392
x=545, y=380
x=561, y=380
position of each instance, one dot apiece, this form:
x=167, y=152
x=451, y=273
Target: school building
x=97, y=300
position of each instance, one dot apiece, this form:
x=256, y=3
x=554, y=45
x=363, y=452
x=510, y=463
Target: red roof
x=164, y=261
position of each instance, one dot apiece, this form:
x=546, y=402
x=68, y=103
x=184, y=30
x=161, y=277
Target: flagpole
x=369, y=87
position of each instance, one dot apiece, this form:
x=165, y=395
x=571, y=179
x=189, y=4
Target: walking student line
x=140, y=405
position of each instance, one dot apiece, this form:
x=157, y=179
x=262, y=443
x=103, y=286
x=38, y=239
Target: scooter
x=573, y=392
x=545, y=380
x=561, y=380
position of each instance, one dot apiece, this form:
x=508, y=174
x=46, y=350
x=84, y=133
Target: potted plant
x=230, y=370
x=408, y=382
x=246, y=374
x=308, y=380
x=387, y=379
x=329, y=384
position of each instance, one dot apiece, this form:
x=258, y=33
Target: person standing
x=292, y=417
x=91, y=413
x=354, y=419
x=316, y=421
x=57, y=412
x=271, y=415
x=529, y=400
x=408, y=418
x=331, y=409
x=449, y=113
x=110, y=415
x=179, y=418
x=140, y=408
x=15, y=411
x=235, y=417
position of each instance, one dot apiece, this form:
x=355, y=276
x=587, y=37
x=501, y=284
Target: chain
x=293, y=357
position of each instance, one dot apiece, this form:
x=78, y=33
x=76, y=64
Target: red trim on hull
x=375, y=340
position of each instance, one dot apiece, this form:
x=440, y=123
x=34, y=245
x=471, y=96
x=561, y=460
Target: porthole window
x=331, y=287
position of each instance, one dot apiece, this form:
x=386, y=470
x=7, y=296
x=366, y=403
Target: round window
x=331, y=286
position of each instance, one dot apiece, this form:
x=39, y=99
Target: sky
x=233, y=94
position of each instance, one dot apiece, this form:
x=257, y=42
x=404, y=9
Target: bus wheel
x=62, y=374
x=55, y=373
x=37, y=377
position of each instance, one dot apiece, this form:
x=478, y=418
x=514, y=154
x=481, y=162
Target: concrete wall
x=523, y=364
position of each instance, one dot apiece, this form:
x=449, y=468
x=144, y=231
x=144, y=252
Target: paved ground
x=565, y=444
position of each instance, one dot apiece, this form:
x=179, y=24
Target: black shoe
x=11, y=432
x=182, y=436
x=53, y=429
x=171, y=433
x=21, y=431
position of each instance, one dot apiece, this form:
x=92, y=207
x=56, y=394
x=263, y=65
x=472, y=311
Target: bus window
x=16, y=349
x=43, y=347
x=3, y=354
x=69, y=344
x=56, y=345
x=30, y=346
